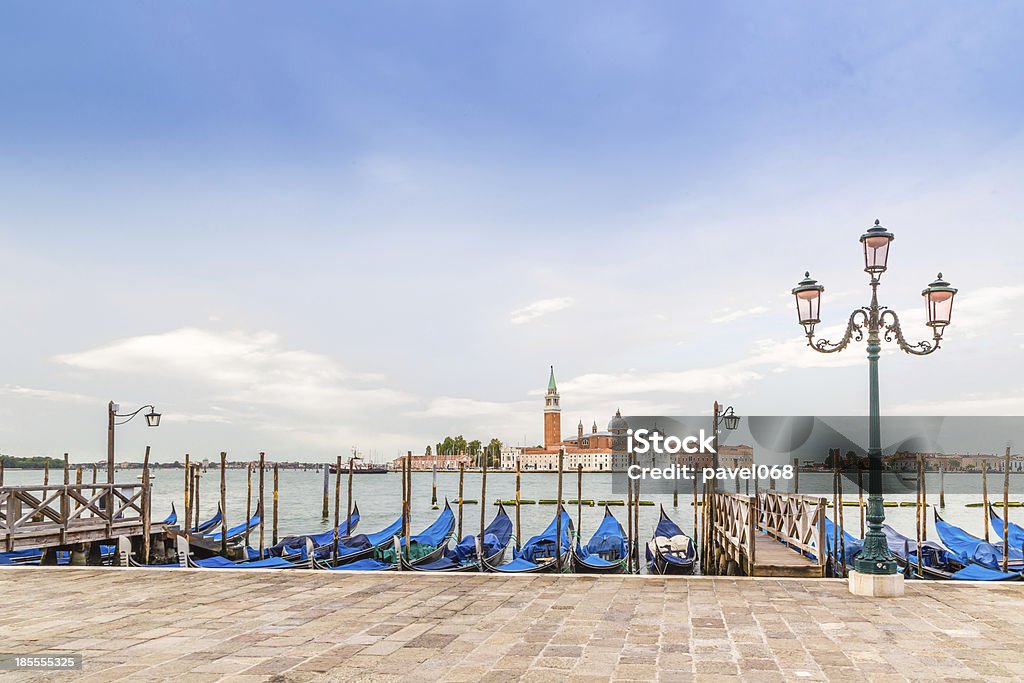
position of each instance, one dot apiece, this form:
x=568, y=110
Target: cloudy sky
x=300, y=230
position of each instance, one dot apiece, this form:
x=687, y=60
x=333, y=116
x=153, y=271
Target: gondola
x=849, y=547
x=1015, y=532
x=539, y=553
x=294, y=548
x=463, y=557
x=937, y=563
x=210, y=523
x=237, y=531
x=670, y=551
x=218, y=562
x=968, y=549
x=425, y=547
x=605, y=552
x=357, y=548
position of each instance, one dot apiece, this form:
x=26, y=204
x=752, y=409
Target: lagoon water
x=379, y=498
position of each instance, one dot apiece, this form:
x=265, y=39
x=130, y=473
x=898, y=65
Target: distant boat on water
x=360, y=469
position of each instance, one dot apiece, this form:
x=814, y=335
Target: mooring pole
x=46, y=472
x=273, y=538
x=696, y=531
x=248, y=500
x=349, y=505
x=1, y=471
x=942, y=486
x=558, y=513
x=224, y=503
x=984, y=495
x=579, y=499
x=483, y=496
x=842, y=528
x=1006, y=510
x=327, y=477
x=462, y=474
x=195, y=495
x=519, y=543
x=835, y=506
x=147, y=503
x=675, y=484
x=262, y=506
x=67, y=470
x=94, y=471
x=337, y=505
x=636, y=526
x=78, y=476
x=188, y=498
x=433, y=486
x=796, y=475
x=921, y=513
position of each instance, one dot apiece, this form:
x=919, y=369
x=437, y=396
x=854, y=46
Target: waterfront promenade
x=250, y=625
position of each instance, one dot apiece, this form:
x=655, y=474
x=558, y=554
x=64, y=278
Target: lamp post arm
x=854, y=332
x=893, y=332
x=129, y=416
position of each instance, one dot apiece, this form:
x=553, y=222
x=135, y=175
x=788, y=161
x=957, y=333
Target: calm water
x=379, y=498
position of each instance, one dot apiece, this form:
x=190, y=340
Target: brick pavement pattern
x=262, y=625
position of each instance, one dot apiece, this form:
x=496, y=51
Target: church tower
x=552, y=415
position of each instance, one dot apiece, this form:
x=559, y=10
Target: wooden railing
x=794, y=520
x=54, y=510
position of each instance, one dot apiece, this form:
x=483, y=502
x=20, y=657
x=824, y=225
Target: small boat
x=369, y=469
x=1015, y=533
x=210, y=523
x=605, y=552
x=218, y=562
x=968, y=549
x=937, y=563
x=463, y=558
x=540, y=554
x=425, y=547
x=849, y=547
x=293, y=547
x=172, y=518
x=358, y=547
x=670, y=551
x=236, y=532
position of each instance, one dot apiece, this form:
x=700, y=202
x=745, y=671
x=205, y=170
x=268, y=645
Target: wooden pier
x=768, y=534
x=62, y=515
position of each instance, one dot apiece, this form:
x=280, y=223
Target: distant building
x=428, y=462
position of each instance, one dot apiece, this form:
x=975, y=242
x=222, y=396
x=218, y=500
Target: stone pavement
x=264, y=625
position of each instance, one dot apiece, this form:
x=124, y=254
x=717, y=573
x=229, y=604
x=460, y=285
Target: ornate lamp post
x=880, y=323
x=152, y=419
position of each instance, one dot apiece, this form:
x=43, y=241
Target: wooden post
x=675, y=484
x=349, y=506
x=94, y=471
x=147, y=503
x=835, y=506
x=842, y=529
x=273, y=537
x=579, y=499
x=696, y=531
x=1006, y=510
x=408, y=503
x=483, y=495
x=67, y=470
x=337, y=505
x=195, y=494
x=519, y=543
x=46, y=473
x=558, y=513
x=224, y=503
x=462, y=475
x=921, y=514
x=188, y=498
x=1, y=471
x=942, y=487
x=924, y=498
x=984, y=495
x=796, y=475
x=248, y=499
x=327, y=478
x=433, y=486
x=78, y=476
x=860, y=496
x=262, y=506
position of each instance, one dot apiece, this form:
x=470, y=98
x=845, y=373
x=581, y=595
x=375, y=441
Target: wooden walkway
x=770, y=534
x=60, y=515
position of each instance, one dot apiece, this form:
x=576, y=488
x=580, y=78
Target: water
x=379, y=497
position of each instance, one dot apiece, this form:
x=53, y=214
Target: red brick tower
x=552, y=414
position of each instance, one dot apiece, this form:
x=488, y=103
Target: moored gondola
x=1015, y=533
x=936, y=562
x=464, y=556
x=670, y=551
x=968, y=549
x=539, y=554
x=605, y=552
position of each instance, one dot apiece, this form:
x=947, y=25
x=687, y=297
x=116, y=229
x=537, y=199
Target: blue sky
x=299, y=230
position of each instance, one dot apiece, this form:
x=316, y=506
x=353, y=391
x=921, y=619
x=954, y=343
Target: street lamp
x=727, y=418
x=879, y=322
x=152, y=419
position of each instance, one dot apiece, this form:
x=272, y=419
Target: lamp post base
x=876, y=585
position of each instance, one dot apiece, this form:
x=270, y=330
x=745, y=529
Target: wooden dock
x=770, y=534
x=63, y=515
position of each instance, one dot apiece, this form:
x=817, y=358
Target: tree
x=494, y=451
x=428, y=453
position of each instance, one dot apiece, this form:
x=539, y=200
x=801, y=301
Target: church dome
x=617, y=423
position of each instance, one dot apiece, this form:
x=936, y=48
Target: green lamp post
x=879, y=322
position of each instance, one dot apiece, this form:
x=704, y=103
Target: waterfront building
x=446, y=461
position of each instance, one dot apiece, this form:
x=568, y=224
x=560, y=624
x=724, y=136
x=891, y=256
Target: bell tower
x=552, y=414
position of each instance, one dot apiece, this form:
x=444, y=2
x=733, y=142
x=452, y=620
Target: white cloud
x=728, y=316
x=540, y=308
x=979, y=310
x=46, y=394
x=447, y=406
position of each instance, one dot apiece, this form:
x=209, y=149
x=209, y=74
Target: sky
x=305, y=229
